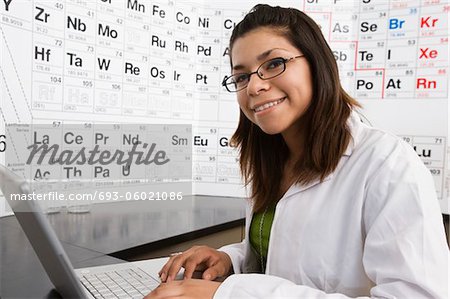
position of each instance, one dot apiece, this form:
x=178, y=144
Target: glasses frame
x=285, y=61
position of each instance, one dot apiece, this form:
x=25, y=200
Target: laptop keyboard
x=127, y=283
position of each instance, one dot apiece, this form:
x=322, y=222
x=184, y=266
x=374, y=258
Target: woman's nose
x=256, y=85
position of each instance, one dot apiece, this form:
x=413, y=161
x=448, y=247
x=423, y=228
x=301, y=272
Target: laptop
x=125, y=280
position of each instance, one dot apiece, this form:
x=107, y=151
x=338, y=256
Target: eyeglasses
x=268, y=70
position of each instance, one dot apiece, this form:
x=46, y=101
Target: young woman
x=338, y=209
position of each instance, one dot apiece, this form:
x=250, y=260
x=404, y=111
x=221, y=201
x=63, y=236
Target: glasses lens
x=230, y=84
x=272, y=68
x=236, y=82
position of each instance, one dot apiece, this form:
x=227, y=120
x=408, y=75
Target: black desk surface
x=110, y=230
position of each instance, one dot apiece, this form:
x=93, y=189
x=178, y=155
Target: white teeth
x=268, y=105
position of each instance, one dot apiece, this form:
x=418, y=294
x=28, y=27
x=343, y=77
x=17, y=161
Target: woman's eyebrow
x=264, y=54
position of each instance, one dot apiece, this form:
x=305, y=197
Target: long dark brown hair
x=263, y=156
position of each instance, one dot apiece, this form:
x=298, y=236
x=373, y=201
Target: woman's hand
x=214, y=263
x=187, y=289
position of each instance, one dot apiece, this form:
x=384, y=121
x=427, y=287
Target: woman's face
x=276, y=104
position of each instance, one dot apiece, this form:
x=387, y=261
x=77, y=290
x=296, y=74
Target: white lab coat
x=373, y=228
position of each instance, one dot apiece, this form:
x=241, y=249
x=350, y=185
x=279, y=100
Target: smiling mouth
x=268, y=105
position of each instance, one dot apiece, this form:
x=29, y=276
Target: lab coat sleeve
x=260, y=286
x=405, y=253
x=237, y=253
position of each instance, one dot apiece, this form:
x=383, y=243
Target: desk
x=111, y=233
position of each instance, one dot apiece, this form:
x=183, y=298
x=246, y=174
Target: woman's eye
x=241, y=78
x=274, y=64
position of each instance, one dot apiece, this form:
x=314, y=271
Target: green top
x=257, y=235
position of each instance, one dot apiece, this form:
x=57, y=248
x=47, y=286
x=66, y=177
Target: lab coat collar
x=295, y=188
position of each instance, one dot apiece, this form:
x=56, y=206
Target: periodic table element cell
x=159, y=104
x=431, y=83
x=323, y=20
x=162, y=73
x=205, y=140
x=402, y=23
x=207, y=78
x=110, y=31
x=228, y=170
x=79, y=59
x=78, y=97
x=161, y=14
x=184, y=75
x=373, y=26
x=344, y=26
x=369, y=84
x=371, y=54
x=137, y=10
x=204, y=170
x=47, y=94
x=401, y=53
x=433, y=20
x=16, y=14
x=109, y=64
x=161, y=42
x=49, y=19
x=134, y=103
x=344, y=53
x=209, y=50
x=137, y=37
x=77, y=136
x=80, y=24
x=433, y=52
x=136, y=68
x=210, y=22
x=182, y=105
x=185, y=18
x=430, y=148
x=184, y=46
x=47, y=52
x=399, y=83
x=107, y=99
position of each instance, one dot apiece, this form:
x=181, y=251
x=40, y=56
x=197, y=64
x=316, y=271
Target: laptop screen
x=41, y=235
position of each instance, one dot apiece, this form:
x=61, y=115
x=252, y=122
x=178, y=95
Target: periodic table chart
x=157, y=62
